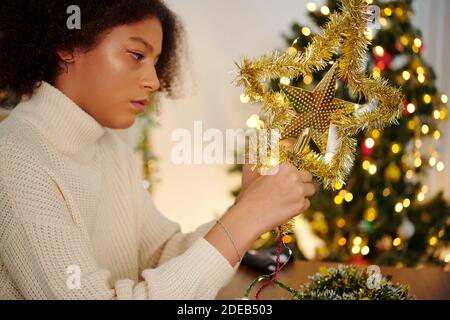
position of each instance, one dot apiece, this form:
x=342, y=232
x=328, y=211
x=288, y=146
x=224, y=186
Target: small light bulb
x=311, y=6
x=406, y=75
x=244, y=98
x=306, y=31
x=369, y=143
x=325, y=10
x=285, y=80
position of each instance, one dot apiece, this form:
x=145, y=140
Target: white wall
x=219, y=33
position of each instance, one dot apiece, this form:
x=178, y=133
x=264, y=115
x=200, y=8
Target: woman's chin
x=123, y=122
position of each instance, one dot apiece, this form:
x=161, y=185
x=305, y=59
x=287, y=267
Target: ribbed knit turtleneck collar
x=61, y=120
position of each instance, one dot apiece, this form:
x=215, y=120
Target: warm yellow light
x=311, y=6
x=342, y=241
x=441, y=233
x=432, y=161
x=340, y=222
x=369, y=196
x=369, y=1
x=397, y=241
x=292, y=51
x=379, y=51
x=426, y=98
x=395, y=148
x=436, y=134
x=342, y=193
x=372, y=169
x=244, y=98
x=420, y=70
x=443, y=114
x=420, y=196
x=376, y=72
x=386, y=192
x=433, y=241
x=388, y=12
x=376, y=133
x=417, y=162
x=355, y=249
x=371, y=214
x=325, y=10
x=338, y=199
x=404, y=40
x=411, y=124
x=406, y=75
x=421, y=78
x=447, y=258
x=357, y=241
x=425, y=129
x=307, y=79
x=366, y=164
x=368, y=34
x=418, y=143
x=348, y=197
x=338, y=185
x=398, y=207
x=285, y=80
x=411, y=108
x=417, y=42
x=365, y=250
x=253, y=121
x=436, y=114
x=370, y=143
x=399, y=11
x=306, y=31
x=406, y=203
x=409, y=174
x=440, y=166
x=444, y=98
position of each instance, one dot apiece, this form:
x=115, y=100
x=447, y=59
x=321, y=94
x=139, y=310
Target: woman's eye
x=136, y=55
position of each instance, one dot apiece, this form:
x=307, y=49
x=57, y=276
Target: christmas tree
x=381, y=215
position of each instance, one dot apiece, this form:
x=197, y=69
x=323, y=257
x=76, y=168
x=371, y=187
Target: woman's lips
x=140, y=105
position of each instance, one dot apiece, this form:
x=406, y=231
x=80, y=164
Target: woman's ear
x=65, y=58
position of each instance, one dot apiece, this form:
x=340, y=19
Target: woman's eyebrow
x=145, y=43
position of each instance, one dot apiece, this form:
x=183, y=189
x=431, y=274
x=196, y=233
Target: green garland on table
x=342, y=283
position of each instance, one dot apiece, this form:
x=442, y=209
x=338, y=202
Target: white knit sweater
x=71, y=197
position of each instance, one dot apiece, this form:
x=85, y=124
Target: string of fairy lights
x=423, y=150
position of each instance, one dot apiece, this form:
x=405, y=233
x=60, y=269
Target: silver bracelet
x=231, y=238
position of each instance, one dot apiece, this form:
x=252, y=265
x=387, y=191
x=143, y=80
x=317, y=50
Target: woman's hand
x=265, y=202
x=271, y=200
x=249, y=175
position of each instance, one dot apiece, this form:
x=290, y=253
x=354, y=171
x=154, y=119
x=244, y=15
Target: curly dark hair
x=32, y=30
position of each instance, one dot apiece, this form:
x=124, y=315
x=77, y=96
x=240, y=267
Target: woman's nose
x=150, y=79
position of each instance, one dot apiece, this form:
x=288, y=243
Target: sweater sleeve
x=41, y=244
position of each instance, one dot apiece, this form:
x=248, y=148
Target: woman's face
x=112, y=81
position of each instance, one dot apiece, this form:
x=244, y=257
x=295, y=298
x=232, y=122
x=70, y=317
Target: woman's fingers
x=305, y=176
x=309, y=189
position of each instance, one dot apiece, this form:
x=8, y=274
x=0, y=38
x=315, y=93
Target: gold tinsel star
x=316, y=109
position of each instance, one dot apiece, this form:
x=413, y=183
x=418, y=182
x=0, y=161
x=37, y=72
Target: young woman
x=75, y=222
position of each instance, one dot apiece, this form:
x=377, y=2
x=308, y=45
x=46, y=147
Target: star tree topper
x=316, y=109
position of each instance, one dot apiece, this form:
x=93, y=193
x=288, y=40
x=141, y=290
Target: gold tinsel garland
x=343, y=34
